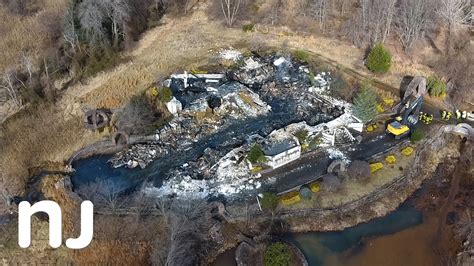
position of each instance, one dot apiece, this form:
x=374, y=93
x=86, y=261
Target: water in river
x=400, y=238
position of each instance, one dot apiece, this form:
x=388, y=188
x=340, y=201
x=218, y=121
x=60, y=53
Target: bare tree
x=320, y=9
x=455, y=12
x=8, y=85
x=186, y=232
x=276, y=7
x=117, y=11
x=70, y=34
x=372, y=22
x=185, y=220
x=230, y=10
x=27, y=63
x=91, y=17
x=412, y=20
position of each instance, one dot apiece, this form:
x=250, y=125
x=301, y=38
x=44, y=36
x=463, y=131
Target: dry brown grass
x=35, y=136
x=25, y=34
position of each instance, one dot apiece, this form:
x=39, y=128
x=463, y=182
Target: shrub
x=301, y=55
x=256, y=154
x=269, y=201
x=391, y=159
x=365, y=104
x=256, y=169
x=331, y=183
x=436, y=87
x=408, y=151
x=374, y=167
x=315, y=187
x=302, y=135
x=248, y=27
x=379, y=60
x=165, y=94
x=291, y=198
x=306, y=193
x=416, y=135
x=278, y=254
x=359, y=170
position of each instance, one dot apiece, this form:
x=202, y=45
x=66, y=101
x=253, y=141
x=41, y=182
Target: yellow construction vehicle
x=405, y=119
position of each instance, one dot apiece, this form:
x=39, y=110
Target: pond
x=96, y=169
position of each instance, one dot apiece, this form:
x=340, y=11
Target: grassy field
x=26, y=33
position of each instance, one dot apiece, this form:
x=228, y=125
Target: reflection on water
x=226, y=259
x=96, y=168
x=355, y=245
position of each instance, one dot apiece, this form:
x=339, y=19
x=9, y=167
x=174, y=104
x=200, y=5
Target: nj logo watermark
x=54, y=212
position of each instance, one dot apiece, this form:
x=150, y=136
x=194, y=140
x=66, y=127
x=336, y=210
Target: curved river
x=402, y=237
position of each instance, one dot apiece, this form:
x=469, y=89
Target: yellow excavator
x=407, y=115
x=406, y=120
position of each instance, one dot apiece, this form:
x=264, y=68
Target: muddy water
x=400, y=238
x=412, y=246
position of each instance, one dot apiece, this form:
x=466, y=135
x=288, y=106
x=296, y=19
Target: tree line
x=91, y=33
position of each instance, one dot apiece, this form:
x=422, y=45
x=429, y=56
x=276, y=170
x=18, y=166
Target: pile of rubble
x=265, y=96
x=138, y=155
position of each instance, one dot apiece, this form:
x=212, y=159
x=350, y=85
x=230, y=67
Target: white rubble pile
x=233, y=104
x=251, y=64
x=321, y=83
x=229, y=54
x=174, y=106
x=232, y=176
x=337, y=154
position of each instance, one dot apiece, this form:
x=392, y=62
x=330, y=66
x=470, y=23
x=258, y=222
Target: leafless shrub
x=137, y=117
x=359, y=170
x=104, y=194
x=257, y=43
x=9, y=86
x=331, y=183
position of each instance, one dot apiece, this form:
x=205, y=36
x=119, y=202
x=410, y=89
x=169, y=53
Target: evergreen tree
x=365, y=104
x=379, y=60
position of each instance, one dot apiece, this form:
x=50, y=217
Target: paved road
x=310, y=168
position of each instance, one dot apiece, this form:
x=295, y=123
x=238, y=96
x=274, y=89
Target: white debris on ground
x=279, y=61
x=240, y=102
x=230, y=54
x=174, y=106
x=232, y=176
x=251, y=64
x=321, y=83
x=337, y=154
